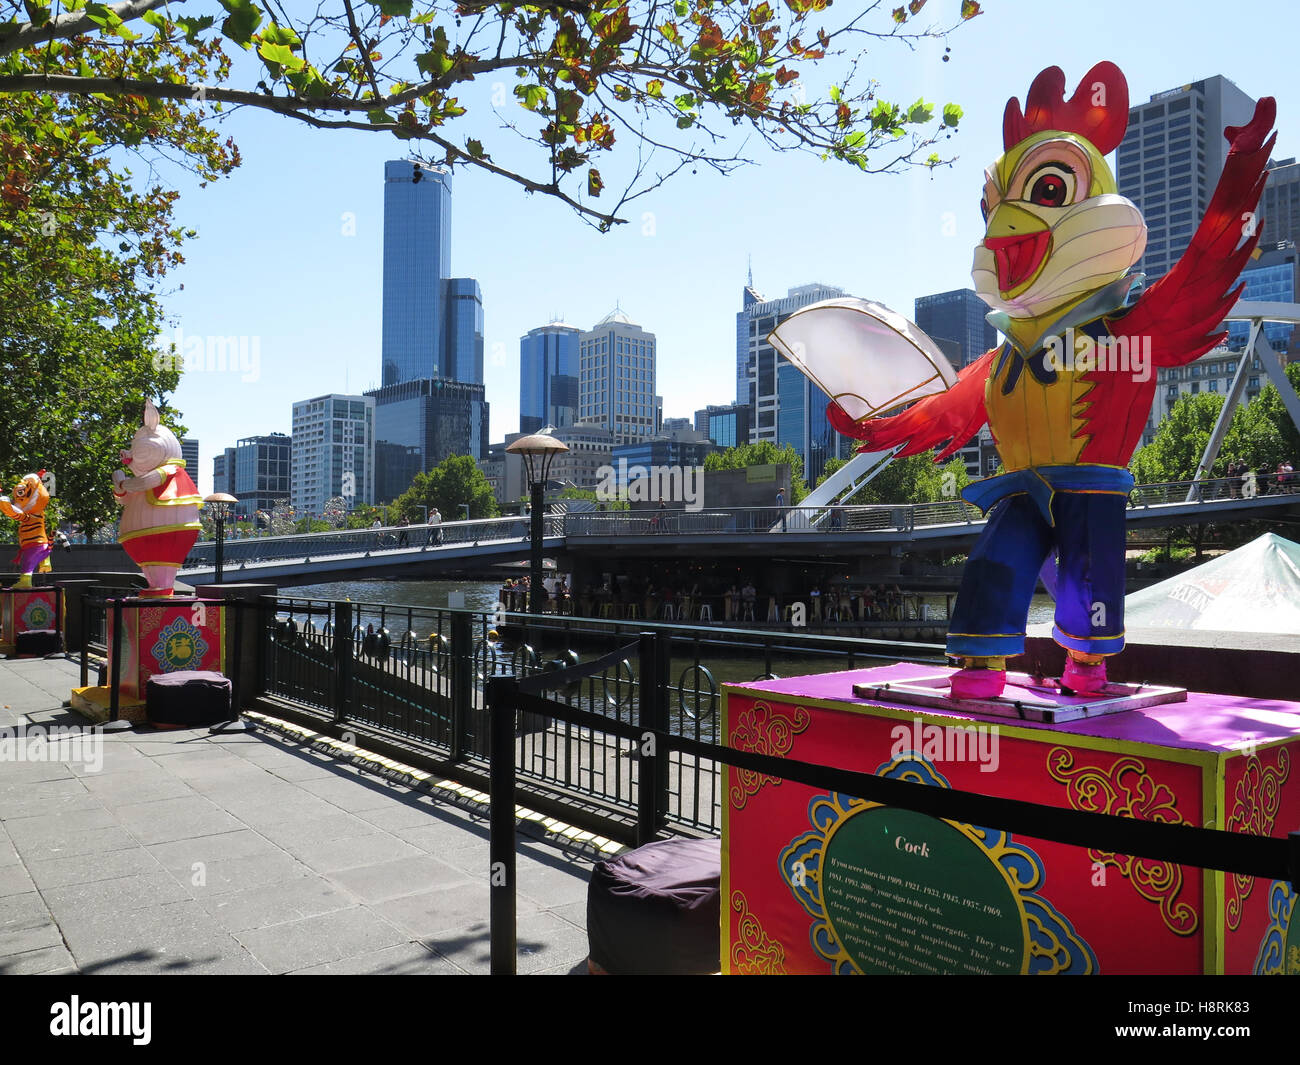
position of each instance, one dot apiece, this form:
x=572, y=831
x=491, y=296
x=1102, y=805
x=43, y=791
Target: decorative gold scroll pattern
x=753, y=953
x=1255, y=801
x=1126, y=789
x=765, y=730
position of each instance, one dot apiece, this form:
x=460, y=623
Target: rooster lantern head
x=1056, y=228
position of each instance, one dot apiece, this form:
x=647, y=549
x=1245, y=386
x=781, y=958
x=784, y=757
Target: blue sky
x=275, y=259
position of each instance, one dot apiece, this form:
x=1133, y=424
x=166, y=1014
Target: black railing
x=508, y=697
x=419, y=675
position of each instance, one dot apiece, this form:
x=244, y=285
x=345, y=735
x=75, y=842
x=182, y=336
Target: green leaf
x=400, y=8
x=682, y=8
x=594, y=182
x=475, y=148
x=920, y=112
x=531, y=96
x=951, y=115
x=378, y=116
x=280, y=55
x=192, y=27
x=242, y=21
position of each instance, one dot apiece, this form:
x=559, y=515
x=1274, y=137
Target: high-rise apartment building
x=787, y=407
x=223, y=471
x=1279, y=207
x=190, y=453
x=333, y=452
x=958, y=317
x=548, y=376
x=1272, y=276
x=1171, y=158
x=261, y=477
x=726, y=425
x=616, y=378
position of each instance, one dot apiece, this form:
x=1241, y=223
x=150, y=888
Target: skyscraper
x=463, y=339
x=333, y=452
x=431, y=402
x=787, y=407
x=420, y=423
x=548, y=376
x=1280, y=205
x=1171, y=158
x=417, y=258
x=957, y=316
x=616, y=378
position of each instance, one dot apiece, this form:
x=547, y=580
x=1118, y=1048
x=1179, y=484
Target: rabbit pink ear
x=150, y=415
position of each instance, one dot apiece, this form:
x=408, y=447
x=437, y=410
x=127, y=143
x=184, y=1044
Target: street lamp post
x=538, y=451
x=222, y=504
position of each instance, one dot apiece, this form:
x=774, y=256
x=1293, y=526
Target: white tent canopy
x=1255, y=588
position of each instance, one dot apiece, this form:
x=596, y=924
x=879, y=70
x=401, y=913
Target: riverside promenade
x=251, y=852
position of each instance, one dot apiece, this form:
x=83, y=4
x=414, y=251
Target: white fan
x=863, y=355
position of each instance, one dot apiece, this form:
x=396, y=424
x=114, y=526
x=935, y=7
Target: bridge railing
x=903, y=517
x=372, y=540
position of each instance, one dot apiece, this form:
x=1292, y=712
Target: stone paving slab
x=183, y=852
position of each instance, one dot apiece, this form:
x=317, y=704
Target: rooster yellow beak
x=1020, y=242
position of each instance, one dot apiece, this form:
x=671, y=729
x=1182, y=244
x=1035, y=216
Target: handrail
x=793, y=521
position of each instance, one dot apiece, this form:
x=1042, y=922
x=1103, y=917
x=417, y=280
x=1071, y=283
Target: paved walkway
x=246, y=853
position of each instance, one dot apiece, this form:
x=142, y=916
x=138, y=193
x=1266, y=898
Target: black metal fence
x=419, y=675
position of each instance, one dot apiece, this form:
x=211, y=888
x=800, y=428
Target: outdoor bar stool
x=668, y=613
x=773, y=611
x=706, y=613
x=633, y=612
x=606, y=610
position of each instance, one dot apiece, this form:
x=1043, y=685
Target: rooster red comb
x=1098, y=110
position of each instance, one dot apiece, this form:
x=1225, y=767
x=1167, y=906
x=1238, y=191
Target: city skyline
x=675, y=265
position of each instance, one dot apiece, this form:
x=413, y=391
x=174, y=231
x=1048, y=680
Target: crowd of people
x=711, y=599
x=1241, y=476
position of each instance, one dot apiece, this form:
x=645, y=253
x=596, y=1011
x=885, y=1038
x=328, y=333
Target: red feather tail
x=1180, y=310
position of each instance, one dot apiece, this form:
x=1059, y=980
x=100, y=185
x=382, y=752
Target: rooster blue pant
x=1086, y=536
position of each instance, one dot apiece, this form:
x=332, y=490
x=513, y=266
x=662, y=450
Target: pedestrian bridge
x=828, y=531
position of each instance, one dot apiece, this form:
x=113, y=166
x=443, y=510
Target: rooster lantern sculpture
x=1068, y=393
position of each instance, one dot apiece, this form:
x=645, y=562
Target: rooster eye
x=1051, y=186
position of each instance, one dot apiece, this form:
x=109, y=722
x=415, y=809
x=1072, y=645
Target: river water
x=483, y=595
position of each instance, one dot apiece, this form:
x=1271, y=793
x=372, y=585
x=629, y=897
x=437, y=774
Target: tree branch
x=71, y=24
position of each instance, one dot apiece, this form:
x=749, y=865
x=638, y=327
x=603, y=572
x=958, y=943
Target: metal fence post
x=343, y=652
x=462, y=680
x=649, y=685
x=501, y=704
x=115, y=663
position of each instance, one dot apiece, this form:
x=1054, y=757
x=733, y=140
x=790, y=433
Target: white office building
x=616, y=378
x=333, y=451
